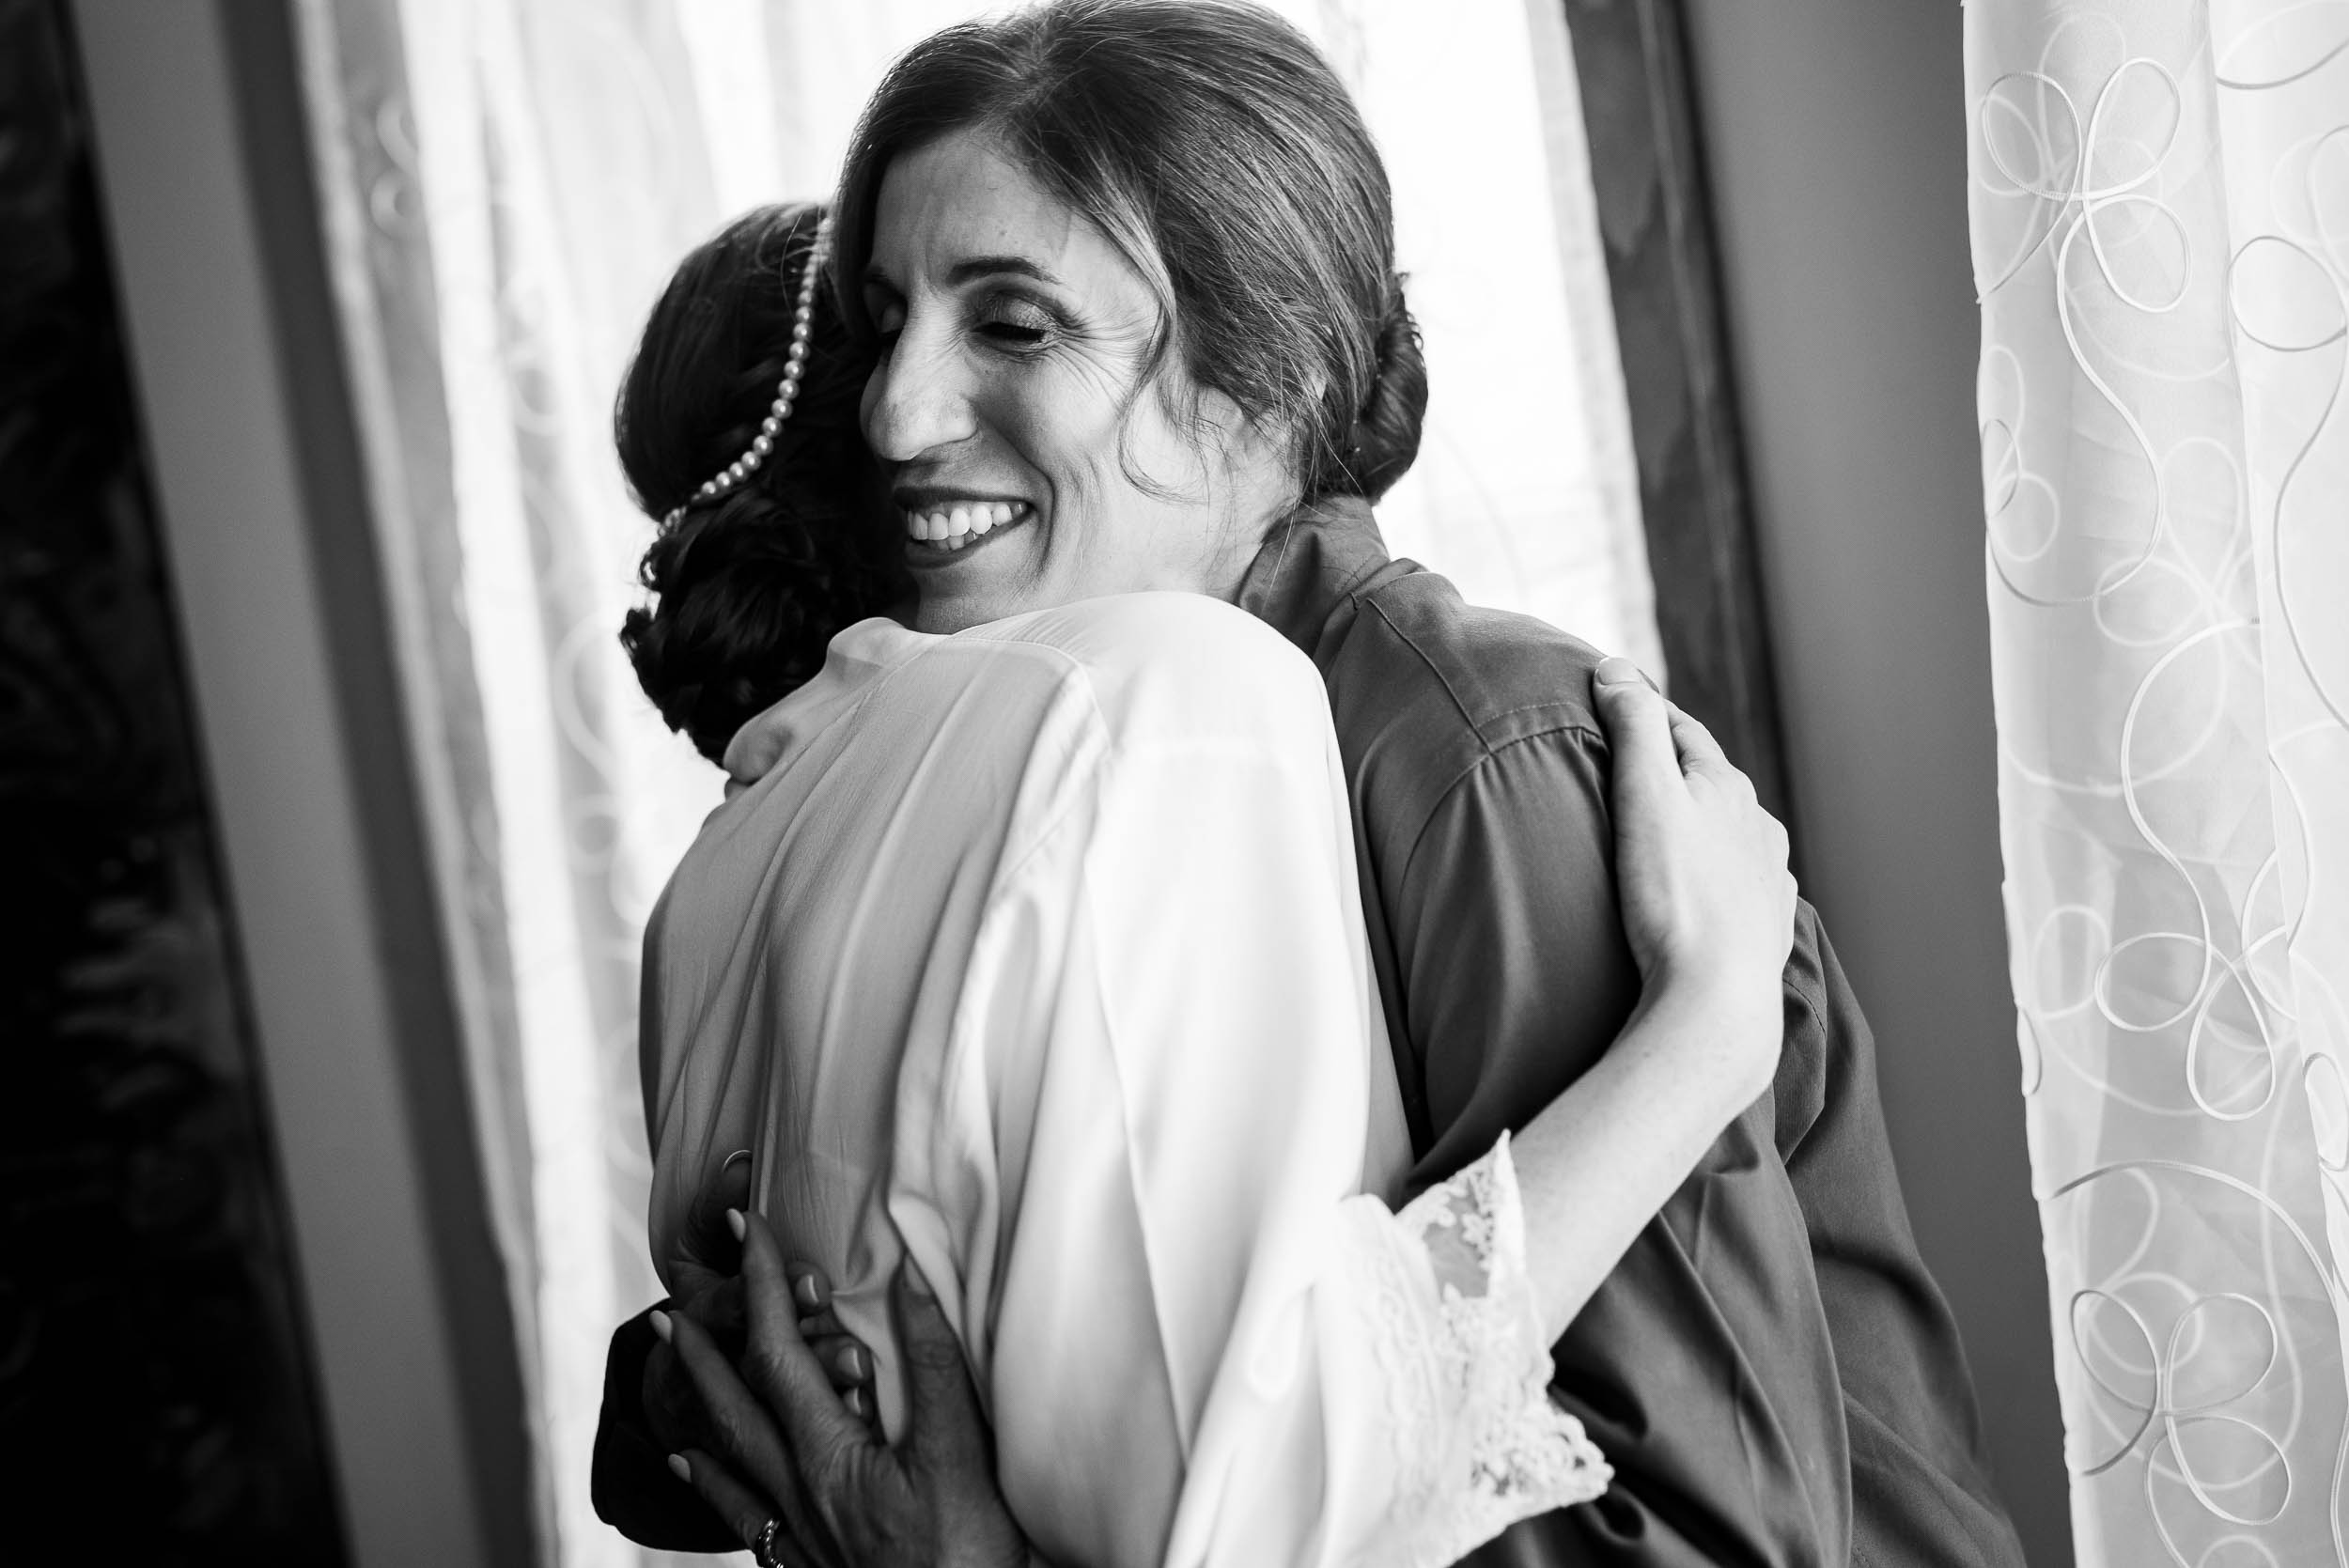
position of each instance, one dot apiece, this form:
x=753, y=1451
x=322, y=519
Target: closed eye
x=1017, y=323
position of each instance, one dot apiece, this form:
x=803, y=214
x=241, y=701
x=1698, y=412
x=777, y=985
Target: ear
x=1258, y=485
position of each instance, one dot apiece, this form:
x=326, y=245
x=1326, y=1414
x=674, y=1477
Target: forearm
x=1603, y=1157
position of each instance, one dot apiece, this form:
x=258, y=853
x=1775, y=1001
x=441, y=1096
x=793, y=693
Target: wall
x=1836, y=138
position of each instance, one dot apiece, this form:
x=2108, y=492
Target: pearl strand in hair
x=787, y=391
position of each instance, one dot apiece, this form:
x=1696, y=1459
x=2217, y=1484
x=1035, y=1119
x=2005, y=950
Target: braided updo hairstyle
x=748, y=587
x=1213, y=144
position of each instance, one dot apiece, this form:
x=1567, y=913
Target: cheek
x=1066, y=431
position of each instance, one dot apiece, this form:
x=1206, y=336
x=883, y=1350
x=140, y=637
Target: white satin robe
x=1038, y=952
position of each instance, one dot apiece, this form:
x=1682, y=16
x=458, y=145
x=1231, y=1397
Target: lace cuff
x=1478, y=1444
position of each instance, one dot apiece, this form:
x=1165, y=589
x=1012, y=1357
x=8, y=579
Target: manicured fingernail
x=680, y=1469
x=735, y=1158
x=660, y=1325
x=1616, y=671
x=803, y=1291
x=855, y=1398
x=734, y=1223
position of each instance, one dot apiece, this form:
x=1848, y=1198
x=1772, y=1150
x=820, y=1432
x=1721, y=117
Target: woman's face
x=1023, y=466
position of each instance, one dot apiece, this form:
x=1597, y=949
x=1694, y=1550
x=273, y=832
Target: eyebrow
x=976, y=267
x=990, y=266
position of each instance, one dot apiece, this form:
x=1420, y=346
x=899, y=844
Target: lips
x=946, y=528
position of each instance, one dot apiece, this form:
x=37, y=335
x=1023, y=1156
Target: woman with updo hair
x=749, y=588
x=1083, y=999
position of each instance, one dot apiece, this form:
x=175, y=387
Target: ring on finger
x=763, y=1549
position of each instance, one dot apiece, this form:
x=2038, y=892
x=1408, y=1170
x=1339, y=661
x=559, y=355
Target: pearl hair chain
x=787, y=391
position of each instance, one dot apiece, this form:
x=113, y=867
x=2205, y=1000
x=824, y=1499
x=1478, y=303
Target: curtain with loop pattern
x=2160, y=216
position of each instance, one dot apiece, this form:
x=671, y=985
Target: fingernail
x=734, y=1223
x=803, y=1291
x=680, y=1469
x=855, y=1398
x=660, y=1325
x=1614, y=670
x=735, y=1158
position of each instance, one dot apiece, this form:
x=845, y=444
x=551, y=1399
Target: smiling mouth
x=937, y=532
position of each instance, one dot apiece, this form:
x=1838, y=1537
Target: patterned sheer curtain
x=2160, y=201
x=506, y=185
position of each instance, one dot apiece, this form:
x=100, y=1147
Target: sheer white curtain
x=506, y=184
x=2160, y=200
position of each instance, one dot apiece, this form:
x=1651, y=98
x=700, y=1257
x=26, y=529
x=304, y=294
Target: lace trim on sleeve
x=1479, y=1445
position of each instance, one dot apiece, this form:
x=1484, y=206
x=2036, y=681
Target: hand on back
x=794, y=1459
x=706, y=1273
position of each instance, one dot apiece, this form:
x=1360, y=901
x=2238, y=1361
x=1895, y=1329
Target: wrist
x=1723, y=1031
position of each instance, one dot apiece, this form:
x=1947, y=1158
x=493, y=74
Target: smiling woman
x=995, y=926
x=1031, y=454
x=508, y=186
x=1141, y=294
x=1033, y=958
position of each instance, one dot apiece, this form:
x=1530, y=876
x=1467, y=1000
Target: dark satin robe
x=1772, y=1370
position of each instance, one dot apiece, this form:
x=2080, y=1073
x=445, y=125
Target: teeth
x=957, y=526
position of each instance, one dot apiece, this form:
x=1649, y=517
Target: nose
x=917, y=403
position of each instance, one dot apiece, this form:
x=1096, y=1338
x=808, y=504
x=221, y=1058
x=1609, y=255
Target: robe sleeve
x=1201, y=1344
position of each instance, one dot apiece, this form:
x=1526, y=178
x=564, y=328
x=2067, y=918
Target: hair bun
x=747, y=587
x=746, y=596
x=1386, y=434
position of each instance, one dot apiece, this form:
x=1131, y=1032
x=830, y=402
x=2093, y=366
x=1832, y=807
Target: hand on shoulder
x=1708, y=903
